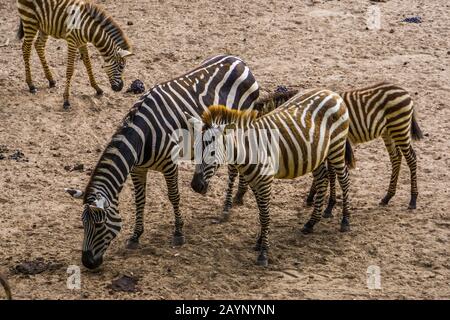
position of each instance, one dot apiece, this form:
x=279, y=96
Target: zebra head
x=114, y=66
x=101, y=225
x=209, y=152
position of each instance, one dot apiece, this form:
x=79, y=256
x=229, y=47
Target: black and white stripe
x=145, y=142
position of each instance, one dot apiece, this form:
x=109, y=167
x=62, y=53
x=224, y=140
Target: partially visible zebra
x=383, y=109
x=312, y=129
x=263, y=105
x=145, y=142
x=78, y=22
x=6, y=286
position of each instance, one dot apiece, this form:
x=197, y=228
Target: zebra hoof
x=345, y=225
x=307, y=228
x=309, y=203
x=385, y=200
x=178, y=241
x=262, y=260
x=51, y=83
x=412, y=202
x=99, y=92
x=33, y=89
x=327, y=214
x=66, y=105
x=132, y=244
x=238, y=201
x=225, y=217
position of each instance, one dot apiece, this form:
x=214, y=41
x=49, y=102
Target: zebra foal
x=382, y=110
x=78, y=22
x=309, y=130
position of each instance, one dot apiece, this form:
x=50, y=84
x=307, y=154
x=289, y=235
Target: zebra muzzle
x=117, y=86
x=89, y=261
x=199, y=185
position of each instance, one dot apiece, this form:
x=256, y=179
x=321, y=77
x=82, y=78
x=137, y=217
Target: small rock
x=78, y=167
x=130, y=23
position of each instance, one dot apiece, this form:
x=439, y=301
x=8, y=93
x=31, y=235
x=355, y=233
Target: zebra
x=263, y=105
x=6, y=286
x=78, y=22
x=383, y=109
x=145, y=142
x=312, y=129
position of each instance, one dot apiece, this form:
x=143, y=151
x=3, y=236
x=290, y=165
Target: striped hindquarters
x=378, y=108
x=311, y=128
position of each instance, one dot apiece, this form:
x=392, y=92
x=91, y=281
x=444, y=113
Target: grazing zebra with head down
x=311, y=129
x=78, y=22
x=145, y=142
x=384, y=110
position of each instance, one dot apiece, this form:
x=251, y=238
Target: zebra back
x=273, y=100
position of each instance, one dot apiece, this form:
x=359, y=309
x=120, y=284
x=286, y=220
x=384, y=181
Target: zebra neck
x=104, y=33
x=117, y=161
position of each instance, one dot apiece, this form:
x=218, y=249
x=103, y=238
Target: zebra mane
x=220, y=114
x=273, y=100
x=97, y=13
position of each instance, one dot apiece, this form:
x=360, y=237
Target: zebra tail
x=5, y=285
x=349, y=157
x=20, y=32
x=416, y=133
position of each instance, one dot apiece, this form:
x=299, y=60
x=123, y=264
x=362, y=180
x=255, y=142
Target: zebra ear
x=124, y=53
x=77, y=194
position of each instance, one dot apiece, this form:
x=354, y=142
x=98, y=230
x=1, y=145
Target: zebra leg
x=71, y=53
x=232, y=174
x=40, y=49
x=30, y=33
x=171, y=177
x=321, y=184
x=262, y=194
x=87, y=63
x=396, y=160
x=328, y=213
x=242, y=190
x=139, y=182
x=344, y=182
x=311, y=194
x=411, y=160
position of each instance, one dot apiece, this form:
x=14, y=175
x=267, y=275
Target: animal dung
x=17, y=155
x=136, y=87
x=124, y=284
x=36, y=266
x=416, y=19
x=281, y=89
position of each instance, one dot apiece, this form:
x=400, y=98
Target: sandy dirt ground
x=293, y=43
